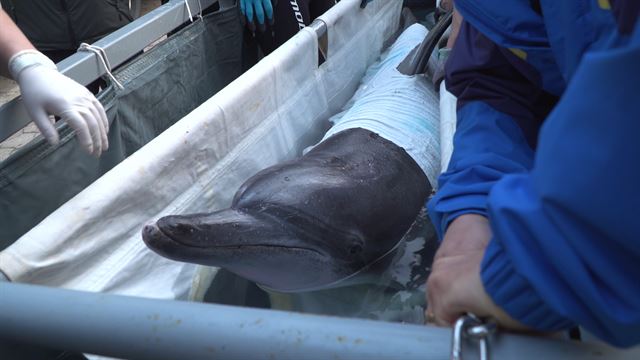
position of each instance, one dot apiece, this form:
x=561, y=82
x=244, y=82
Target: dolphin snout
x=156, y=240
x=150, y=232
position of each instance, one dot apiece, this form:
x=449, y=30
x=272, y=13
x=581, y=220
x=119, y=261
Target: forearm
x=565, y=246
x=488, y=144
x=497, y=125
x=12, y=41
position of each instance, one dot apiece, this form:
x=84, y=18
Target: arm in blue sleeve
x=500, y=108
x=566, y=246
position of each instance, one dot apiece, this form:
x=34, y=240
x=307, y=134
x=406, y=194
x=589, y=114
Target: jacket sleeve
x=500, y=108
x=566, y=246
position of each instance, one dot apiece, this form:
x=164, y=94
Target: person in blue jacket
x=538, y=207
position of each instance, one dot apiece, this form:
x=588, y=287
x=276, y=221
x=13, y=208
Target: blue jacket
x=548, y=148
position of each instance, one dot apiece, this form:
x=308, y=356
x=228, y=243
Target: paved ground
x=9, y=90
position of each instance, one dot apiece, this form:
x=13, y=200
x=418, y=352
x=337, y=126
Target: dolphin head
x=314, y=222
x=283, y=252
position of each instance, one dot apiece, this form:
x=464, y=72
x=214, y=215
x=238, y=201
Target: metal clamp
x=186, y=3
x=102, y=55
x=320, y=28
x=470, y=326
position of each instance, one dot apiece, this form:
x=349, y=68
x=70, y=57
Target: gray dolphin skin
x=308, y=223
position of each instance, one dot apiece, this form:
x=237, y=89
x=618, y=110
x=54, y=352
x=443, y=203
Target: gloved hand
x=47, y=92
x=260, y=8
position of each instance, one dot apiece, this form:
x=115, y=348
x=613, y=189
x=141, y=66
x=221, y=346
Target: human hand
x=261, y=8
x=454, y=286
x=46, y=92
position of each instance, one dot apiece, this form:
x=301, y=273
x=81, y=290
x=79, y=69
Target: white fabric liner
x=448, y=105
x=268, y=115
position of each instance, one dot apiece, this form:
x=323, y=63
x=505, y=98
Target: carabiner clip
x=470, y=326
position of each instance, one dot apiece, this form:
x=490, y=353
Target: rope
x=186, y=3
x=102, y=55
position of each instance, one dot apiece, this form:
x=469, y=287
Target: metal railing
x=138, y=328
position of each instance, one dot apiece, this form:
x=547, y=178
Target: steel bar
x=138, y=328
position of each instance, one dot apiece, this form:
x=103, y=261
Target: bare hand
x=454, y=286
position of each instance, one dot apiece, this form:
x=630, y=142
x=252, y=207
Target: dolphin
x=309, y=223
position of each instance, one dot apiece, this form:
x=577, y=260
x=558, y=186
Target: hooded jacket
x=546, y=147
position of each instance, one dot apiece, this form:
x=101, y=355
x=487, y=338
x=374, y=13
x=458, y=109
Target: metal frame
x=138, y=328
x=119, y=46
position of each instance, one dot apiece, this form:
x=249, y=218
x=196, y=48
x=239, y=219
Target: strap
x=417, y=61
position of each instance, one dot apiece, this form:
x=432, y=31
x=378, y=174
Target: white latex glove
x=47, y=92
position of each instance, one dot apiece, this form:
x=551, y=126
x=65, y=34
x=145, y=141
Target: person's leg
x=319, y=7
x=289, y=17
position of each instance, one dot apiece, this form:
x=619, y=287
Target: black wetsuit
x=289, y=17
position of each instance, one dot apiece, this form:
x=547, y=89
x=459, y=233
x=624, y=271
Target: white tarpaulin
x=269, y=114
x=448, y=104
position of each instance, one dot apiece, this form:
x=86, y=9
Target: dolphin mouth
x=348, y=280
x=156, y=237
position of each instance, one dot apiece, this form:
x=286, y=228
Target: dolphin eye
x=355, y=249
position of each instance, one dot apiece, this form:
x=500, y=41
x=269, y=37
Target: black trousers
x=289, y=17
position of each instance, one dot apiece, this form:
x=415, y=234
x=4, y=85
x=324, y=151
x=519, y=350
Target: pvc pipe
x=139, y=328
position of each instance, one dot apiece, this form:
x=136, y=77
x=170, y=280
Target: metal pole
x=138, y=328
